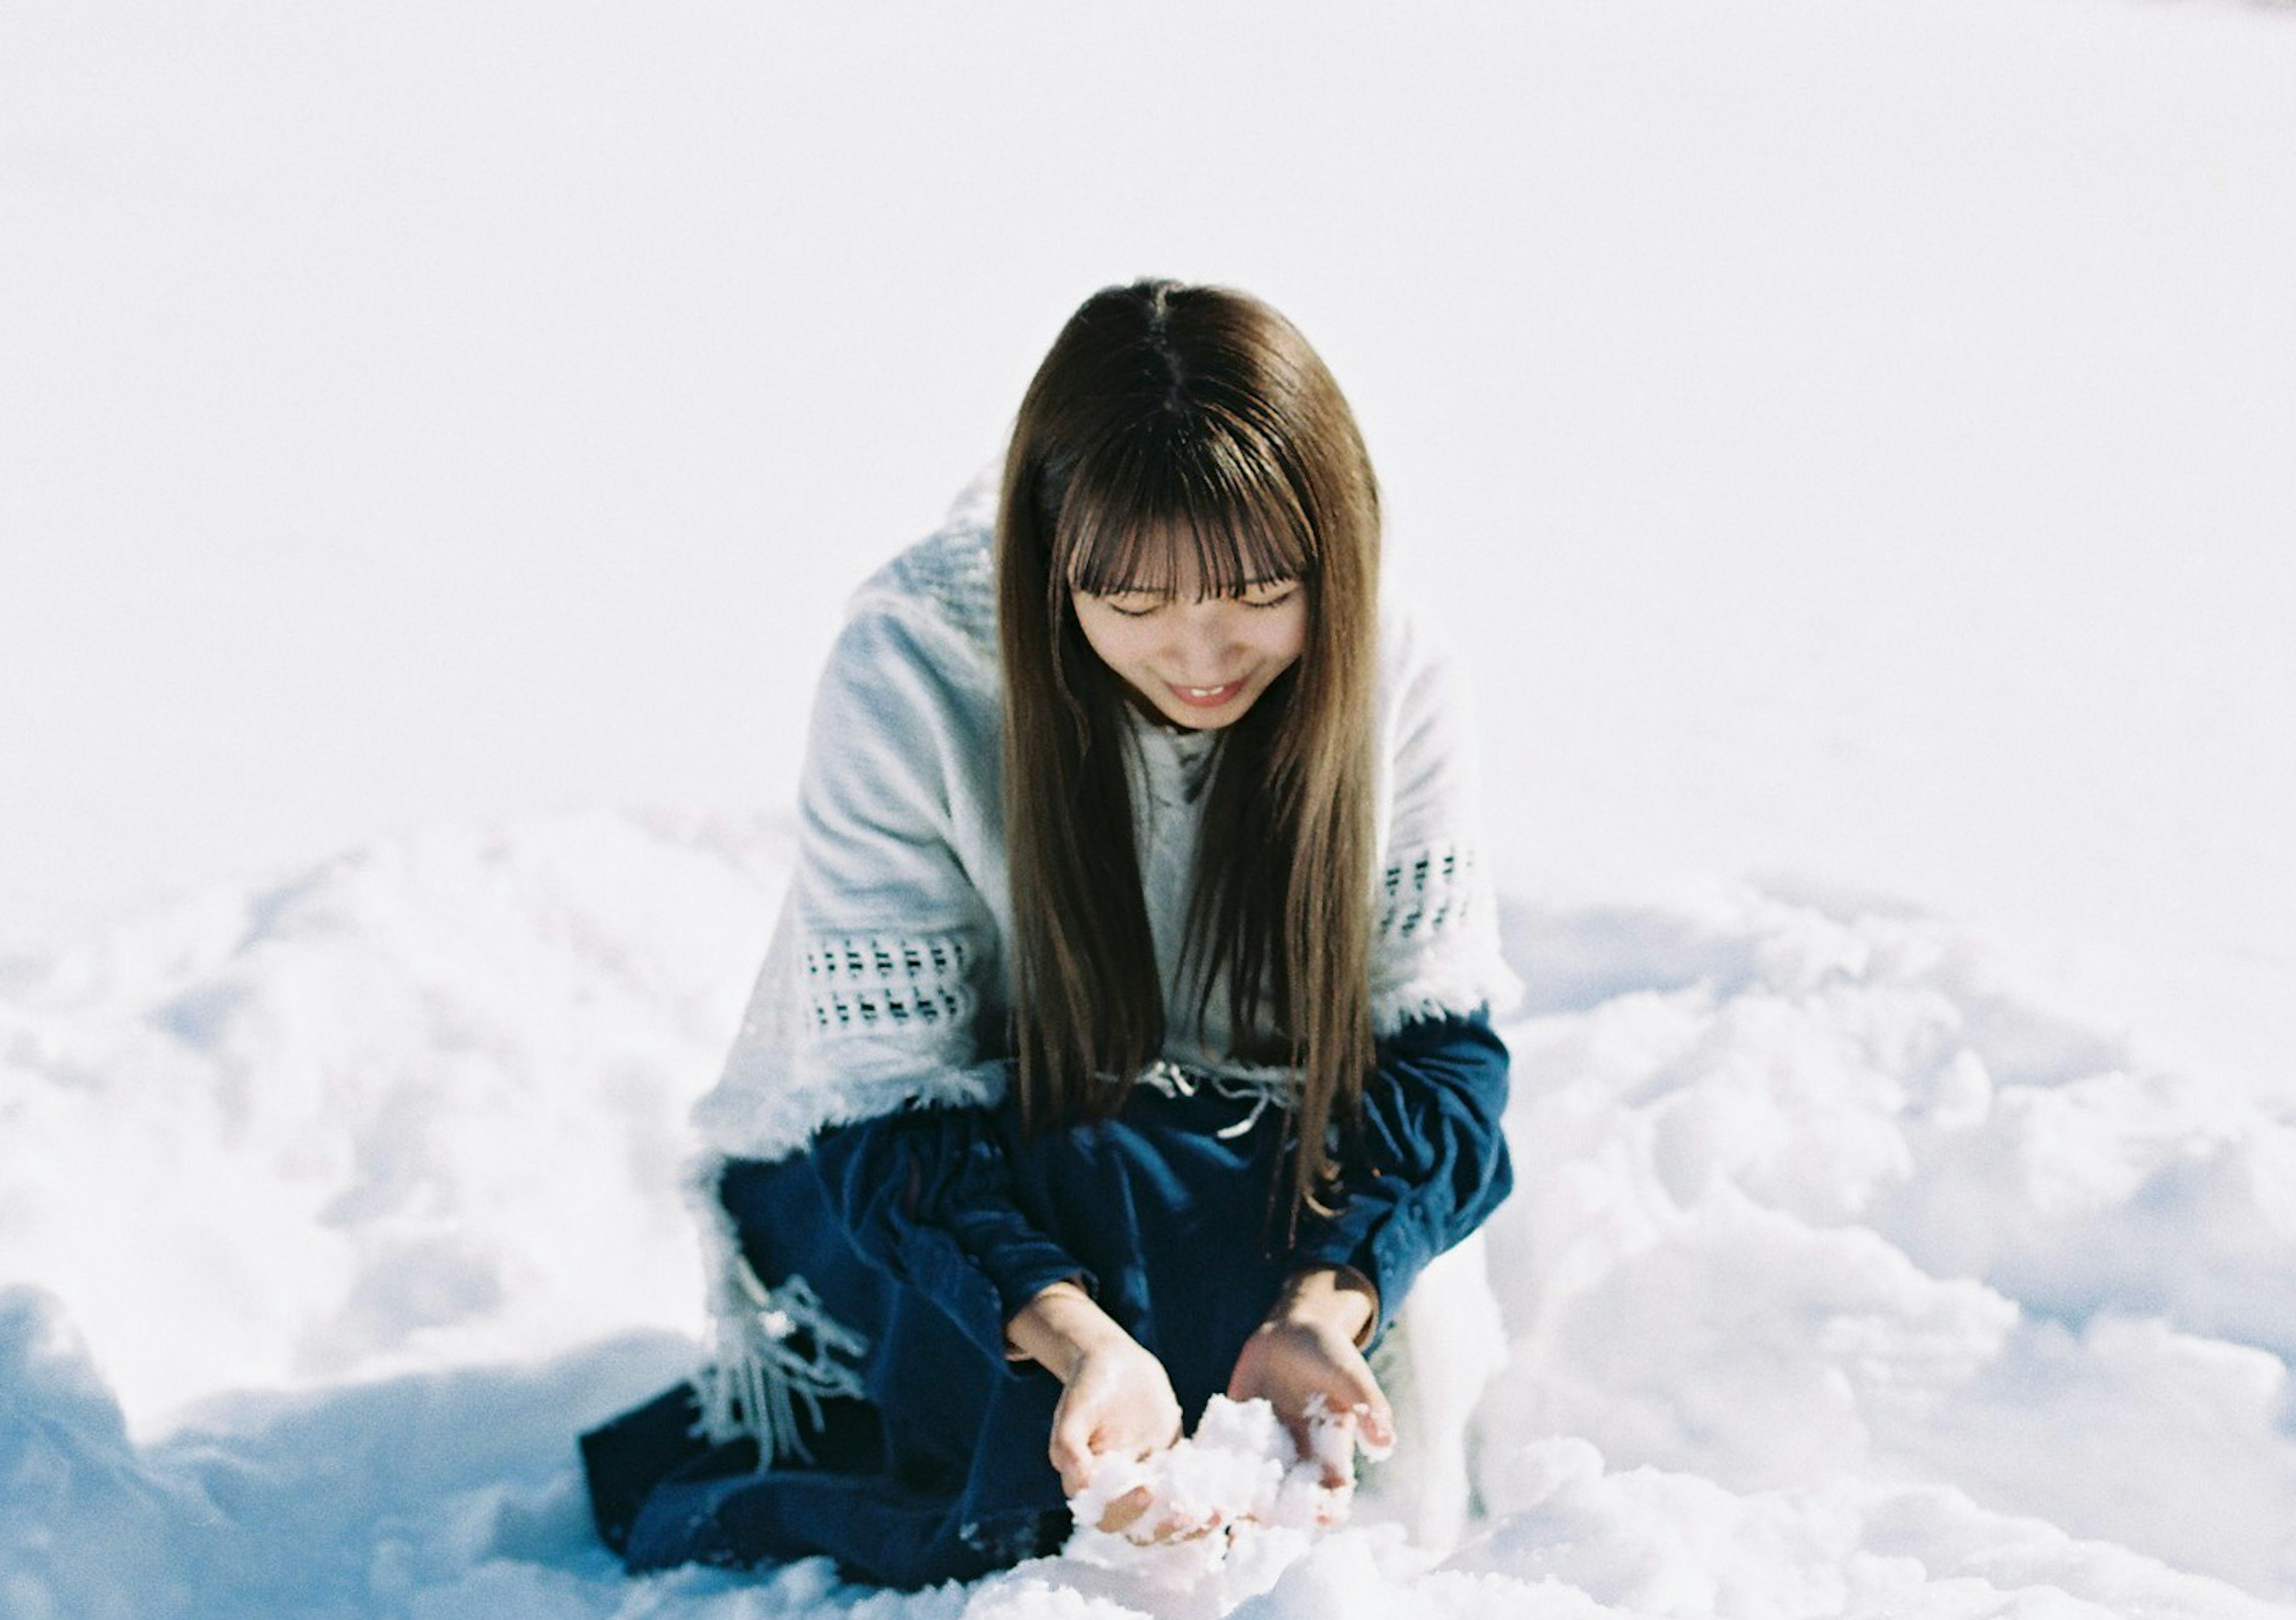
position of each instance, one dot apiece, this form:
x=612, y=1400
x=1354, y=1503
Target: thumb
x=1378, y=1422
x=1071, y=1449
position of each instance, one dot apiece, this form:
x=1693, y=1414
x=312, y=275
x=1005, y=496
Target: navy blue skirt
x=940, y=1471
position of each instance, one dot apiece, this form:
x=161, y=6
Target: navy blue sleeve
x=926, y=1196
x=1432, y=1161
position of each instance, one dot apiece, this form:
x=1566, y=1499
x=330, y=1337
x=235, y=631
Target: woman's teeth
x=1207, y=697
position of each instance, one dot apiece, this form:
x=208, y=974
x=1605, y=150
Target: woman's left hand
x=1307, y=1348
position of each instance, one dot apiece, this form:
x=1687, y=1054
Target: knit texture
x=888, y=964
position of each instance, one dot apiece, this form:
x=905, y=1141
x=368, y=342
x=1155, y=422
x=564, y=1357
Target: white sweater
x=890, y=953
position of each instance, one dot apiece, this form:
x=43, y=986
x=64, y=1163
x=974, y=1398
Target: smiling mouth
x=1206, y=697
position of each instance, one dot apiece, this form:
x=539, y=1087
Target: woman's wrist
x=1058, y=1328
x=1340, y=1298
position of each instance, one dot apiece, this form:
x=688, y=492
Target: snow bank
x=1837, y=1282
x=414, y=1108
x=1831, y=1203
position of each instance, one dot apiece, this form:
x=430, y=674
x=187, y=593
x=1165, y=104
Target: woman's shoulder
x=1421, y=675
x=919, y=639
x=946, y=580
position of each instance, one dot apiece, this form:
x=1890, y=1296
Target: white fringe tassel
x=756, y=1378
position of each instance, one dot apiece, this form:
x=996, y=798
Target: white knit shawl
x=889, y=956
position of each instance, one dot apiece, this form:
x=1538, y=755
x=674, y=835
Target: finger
x=1378, y=1422
x=1188, y=1530
x=1337, y=1451
x=1071, y=1451
x=1126, y=1511
x=1074, y=1477
x=1319, y=1438
x=1246, y=1379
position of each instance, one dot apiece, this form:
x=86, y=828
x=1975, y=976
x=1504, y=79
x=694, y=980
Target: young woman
x=1124, y=1037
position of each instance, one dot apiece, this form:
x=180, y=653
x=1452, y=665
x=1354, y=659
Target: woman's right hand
x=1116, y=1399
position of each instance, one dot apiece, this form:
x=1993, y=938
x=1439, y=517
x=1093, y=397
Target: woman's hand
x=1116, y=1399
x=1306, y=1348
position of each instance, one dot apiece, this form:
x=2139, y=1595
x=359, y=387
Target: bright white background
x=1853, y=440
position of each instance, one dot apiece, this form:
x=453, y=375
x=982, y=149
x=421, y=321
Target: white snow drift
x=1837, y=1282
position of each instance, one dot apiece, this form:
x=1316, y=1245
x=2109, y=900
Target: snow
x=1838, y=1280
x=390, y=1114
x=1849, y=442
x=1223, y=1513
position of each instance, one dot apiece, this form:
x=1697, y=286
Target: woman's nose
x=1204, y=641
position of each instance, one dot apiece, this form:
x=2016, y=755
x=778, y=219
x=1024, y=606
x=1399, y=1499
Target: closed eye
x=1142, y=604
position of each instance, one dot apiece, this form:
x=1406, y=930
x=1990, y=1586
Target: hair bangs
x=1151, y=520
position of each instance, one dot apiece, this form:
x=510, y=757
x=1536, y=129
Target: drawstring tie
x=756, y=1378
x=1260, y=1087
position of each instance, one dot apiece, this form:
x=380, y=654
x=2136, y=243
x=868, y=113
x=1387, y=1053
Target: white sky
x=1852, y=440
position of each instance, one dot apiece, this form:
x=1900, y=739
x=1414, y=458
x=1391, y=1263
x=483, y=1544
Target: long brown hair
x=1171, y=423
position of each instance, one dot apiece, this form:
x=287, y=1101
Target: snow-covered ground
x=1840, y=1280
x=1850, y=441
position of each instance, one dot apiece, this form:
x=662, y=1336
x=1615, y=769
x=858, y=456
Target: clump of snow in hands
x=1236, y=1497
x=1837, y=1281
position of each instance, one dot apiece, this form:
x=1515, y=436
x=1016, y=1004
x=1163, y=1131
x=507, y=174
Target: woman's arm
x=1429, y=1163
x=1432, y=1163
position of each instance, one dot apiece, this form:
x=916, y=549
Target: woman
x=1125, y=1037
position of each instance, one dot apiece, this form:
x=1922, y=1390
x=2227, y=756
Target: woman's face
x=1200, y=662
